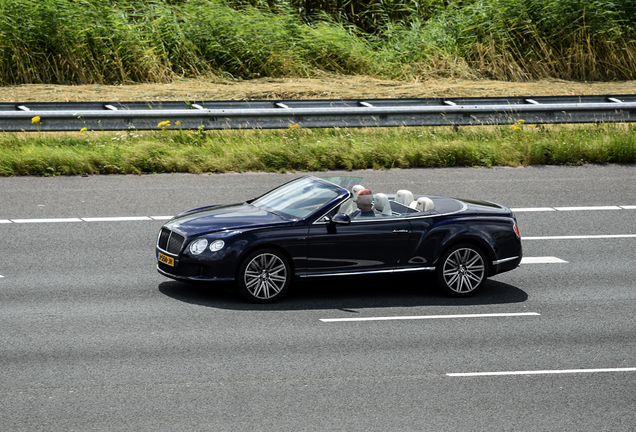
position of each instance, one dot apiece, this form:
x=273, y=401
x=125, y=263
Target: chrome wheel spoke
x=474, y=276
x=251, y=282
x=453, y=280
x=281, y=267
x=277, y=278
x=273, y=287
x=460, y=284
x=468, y=284
x=470, y=263
x=268, y=262
x=265, y=276
x=258, y=289
x=463, y=270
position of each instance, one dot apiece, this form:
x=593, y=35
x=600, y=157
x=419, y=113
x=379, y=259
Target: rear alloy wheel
x=264, y=276
x=462, y=270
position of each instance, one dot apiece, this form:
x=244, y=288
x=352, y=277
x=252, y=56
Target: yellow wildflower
x=35, y=119
x=294, y=126
x=178, y=123
x=164, y=124
x=82, y=130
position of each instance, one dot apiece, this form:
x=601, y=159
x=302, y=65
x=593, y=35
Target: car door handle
x=402, y=231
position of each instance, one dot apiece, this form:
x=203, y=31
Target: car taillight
x=516, y=229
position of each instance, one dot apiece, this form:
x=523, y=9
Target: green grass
x=126, y=41
x=312, y=149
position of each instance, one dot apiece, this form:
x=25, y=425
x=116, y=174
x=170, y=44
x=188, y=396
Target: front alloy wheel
x=264, y=276
x=462, y=270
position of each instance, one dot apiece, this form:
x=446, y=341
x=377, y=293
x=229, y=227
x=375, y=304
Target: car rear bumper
x=505, y=264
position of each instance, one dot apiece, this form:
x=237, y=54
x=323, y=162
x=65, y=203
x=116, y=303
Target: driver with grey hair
x=365, y=204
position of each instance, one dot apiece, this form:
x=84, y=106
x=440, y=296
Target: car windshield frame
x=300, y=198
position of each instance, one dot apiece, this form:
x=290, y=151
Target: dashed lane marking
x=564, y=209
x=577, y=237
x=533, y=209
x=542, y=260
x=542, y=372
x=422, y=317
x=117, y=219
x=54, y=220
x=587, y=208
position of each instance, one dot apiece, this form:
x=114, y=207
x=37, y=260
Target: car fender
x=447, y=233
x=289, y=241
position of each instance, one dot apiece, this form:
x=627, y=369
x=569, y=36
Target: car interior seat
x=381, y=204
x=350, y=206
x=404, y=197
x=424, y=204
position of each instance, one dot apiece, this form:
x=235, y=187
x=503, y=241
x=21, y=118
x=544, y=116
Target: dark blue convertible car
x=325, y=228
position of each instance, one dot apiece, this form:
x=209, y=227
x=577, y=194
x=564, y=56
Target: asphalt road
x=93, y=338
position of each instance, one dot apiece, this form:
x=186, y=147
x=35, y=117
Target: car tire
x=264, y=276
x=462, y=270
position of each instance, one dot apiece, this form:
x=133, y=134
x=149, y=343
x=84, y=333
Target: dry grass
x=325, y=87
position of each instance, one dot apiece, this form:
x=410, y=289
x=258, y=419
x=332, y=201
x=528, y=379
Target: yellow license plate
x=166, y=259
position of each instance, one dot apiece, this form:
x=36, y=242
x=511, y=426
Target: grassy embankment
x=313, y=150
x=128, y=41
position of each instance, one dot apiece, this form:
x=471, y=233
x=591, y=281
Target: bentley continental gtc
x=336, y=228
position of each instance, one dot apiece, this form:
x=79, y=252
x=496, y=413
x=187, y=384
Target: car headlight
x=198, y=246
x=217, y=245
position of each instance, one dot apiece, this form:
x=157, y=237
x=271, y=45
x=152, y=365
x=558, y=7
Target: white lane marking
x=421, y=317
x=117, y=219
x=542, y=260
x=46, y=220
x=89, y=219
x=584, y=208
x=587, y=208
x=603, y=236
x=1, y=276
x=542, y=372
x=533, y=209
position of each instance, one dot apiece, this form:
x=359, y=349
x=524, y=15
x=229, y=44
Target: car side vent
x=170, y=241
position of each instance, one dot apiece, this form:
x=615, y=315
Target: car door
x=364, y=246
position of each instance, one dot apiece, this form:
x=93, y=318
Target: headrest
x=381, y=204
x=356, y=190
x=424, y=204
x=404, y=197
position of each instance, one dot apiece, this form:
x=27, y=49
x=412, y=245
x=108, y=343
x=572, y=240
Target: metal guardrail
x=111, y=116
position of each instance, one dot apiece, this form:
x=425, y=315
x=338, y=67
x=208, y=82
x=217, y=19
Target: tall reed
x=124, y=41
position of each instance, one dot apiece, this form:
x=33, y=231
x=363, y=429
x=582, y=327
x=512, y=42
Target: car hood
x=219, y=218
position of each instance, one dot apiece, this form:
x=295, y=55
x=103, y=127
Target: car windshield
x=299, y=198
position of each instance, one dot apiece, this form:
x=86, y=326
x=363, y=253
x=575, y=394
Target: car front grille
x=170, y=241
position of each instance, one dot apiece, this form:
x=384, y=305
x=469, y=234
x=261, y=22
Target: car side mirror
x=341, y=219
